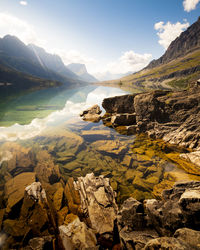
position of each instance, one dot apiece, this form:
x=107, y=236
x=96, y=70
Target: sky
x=117, y=36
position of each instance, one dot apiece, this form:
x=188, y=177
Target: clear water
x=46, y=124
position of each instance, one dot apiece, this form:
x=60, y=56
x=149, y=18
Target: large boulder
x=188, y=235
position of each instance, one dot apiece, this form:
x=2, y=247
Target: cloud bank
x=129, y=61
x=190, y=5
x=169, y=32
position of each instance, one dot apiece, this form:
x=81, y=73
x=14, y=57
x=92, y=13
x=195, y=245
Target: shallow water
x=42, y=132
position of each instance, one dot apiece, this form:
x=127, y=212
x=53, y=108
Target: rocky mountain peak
x=187, y=42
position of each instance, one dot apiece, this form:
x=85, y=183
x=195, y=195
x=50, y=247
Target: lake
x=42, y=132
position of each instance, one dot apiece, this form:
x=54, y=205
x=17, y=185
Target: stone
x=131, y=215
x=123, y=119
x=73, y=198
x=14, y=189
x=193, y=157
x=119, y=104
x=76, y=235
x=58, y=198
x=94, y=135
x=41, y=243
x=166, y=243
x=171, y=116
x=36, y=191
x=98, y=202
x=61, y=215
x=110, y=147
x=92, y=114
x=188, y=235
x=46, y=171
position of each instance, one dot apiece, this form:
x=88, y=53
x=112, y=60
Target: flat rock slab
x=15, y=187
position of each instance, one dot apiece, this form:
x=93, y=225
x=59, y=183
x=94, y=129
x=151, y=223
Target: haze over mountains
x=34, y=63
x=80, y=70
x=179, y=65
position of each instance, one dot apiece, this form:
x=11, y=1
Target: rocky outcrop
x=92, y=114
x=172, y=116
x=171, y=223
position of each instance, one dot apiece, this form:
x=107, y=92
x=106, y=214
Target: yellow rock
x=58, y=198
x=15, y=187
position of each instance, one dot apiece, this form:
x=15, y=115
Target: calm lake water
x=41, y=131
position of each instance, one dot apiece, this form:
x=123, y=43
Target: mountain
x=12, y=82
x=35, y=61
x=187, y=42
x=178, y=66
x=80, y=70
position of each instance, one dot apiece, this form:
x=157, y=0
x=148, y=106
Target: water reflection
x=75, y=101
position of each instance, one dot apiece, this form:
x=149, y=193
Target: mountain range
x=33, y=63
x=179, y=65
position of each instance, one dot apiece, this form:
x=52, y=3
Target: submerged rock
x=14, y=189
x=92, y=114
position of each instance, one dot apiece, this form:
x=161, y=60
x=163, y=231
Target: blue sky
x=113, y=35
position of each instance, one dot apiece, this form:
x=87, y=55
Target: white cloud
x=24, y=3
x=169, y=31
x=190, y=4
x=129, y=61
x=12, y=25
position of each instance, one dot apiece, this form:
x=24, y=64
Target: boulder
x=119, y=104
x=180, y=207
x=40, y=243
x=76, y=235
x=188, y=235
x=166, y=243
x=92, y=114
x=46, y=171
x=97, y=202
x=14, y=189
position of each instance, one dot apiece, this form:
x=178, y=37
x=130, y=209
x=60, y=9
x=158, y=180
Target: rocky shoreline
x=84, y=215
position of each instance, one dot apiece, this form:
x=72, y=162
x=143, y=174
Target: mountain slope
x=80, y=70
x=13, y=80
x=16, y=55
x=179, y=65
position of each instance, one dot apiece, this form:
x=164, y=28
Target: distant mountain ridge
x=179, y=65
x=80, y=70
x=35, y=61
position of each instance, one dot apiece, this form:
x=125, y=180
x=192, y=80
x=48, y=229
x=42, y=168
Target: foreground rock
x=172, y=116
x=171, y=223
x=92, y=114
x=95, y=204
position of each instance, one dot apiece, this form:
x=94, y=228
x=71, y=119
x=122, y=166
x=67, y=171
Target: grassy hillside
x=175, y=74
